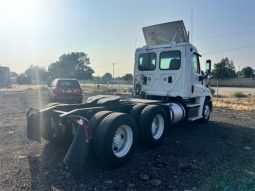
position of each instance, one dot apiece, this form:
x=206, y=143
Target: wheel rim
x=157, y=126
x=122, y=140
x=206, y=112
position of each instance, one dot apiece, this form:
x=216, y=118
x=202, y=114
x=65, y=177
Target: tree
x=107, y=77
x=247, y=72
x=224, y=69
x=72, y=65
x=22, y=79
x=14, y=74
x=35, y=75
x=128, y=77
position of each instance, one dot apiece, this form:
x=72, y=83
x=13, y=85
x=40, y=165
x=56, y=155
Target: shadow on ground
x=214, y=156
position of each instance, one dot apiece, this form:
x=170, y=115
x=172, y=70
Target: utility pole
x=113, y=64
x=239, y=68
x=191, y=26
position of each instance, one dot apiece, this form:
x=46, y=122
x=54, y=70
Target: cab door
x=197, y=87
x=144, y=70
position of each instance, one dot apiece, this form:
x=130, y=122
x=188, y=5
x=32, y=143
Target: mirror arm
x=208, y=83
x=203, y=77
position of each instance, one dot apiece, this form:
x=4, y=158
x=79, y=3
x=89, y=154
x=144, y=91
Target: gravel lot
x=216, y=156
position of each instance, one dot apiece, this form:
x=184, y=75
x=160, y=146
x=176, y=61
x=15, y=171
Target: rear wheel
x=153, y=123
x=95, y=120
x=115, y=139
x=136, y=111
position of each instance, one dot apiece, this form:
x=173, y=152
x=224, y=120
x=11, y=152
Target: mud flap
x=33, y=125
x=77, y=153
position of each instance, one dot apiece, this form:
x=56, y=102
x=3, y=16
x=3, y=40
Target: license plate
x=68, y=91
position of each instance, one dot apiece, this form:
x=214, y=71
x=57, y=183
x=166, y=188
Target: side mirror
x=208, y=67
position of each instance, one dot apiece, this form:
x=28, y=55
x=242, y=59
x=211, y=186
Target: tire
x=115, y=140
x=96, y=119
x=152, y=125
x=136, y=111
x=206, y=112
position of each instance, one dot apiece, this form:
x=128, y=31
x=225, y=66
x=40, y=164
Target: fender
x=77, y=153
x=33, y=124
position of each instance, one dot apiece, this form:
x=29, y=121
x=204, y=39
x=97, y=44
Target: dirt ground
x=217, y=156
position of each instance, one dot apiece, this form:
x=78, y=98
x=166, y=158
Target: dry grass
x=236, y=102
x=20, y=88
x=105, y=89
x=231, y=100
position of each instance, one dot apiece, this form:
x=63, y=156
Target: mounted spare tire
x=152, y=125
x=115, y=139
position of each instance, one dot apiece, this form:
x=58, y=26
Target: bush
x=239, y=95
x=219, y=96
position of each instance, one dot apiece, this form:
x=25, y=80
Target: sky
x=38, y=32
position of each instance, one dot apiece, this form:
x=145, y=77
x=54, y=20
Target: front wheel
x=206, y=112
x=115, y=139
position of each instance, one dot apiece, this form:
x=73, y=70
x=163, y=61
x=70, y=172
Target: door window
x=147, y=61
x=170, y=60
x=196, y=64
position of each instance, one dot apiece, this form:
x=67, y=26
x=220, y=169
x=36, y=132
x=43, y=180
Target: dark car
x=65, y=91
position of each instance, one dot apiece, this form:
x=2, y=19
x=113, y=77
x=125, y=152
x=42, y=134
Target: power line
x=225, y=35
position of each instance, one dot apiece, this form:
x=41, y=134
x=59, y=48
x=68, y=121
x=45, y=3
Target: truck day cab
x=169, y=88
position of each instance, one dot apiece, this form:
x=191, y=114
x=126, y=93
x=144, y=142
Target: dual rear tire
x=115, y=135
x=152, y=125
x=115, y=139
x=152, y=121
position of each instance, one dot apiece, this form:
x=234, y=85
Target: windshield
x=68, y=84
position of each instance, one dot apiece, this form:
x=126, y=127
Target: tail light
x=78, y=91
x=58, y=91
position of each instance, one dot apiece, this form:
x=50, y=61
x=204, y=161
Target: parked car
x=65, y=91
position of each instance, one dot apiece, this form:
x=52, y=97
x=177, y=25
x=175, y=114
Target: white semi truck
x=169, y=88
